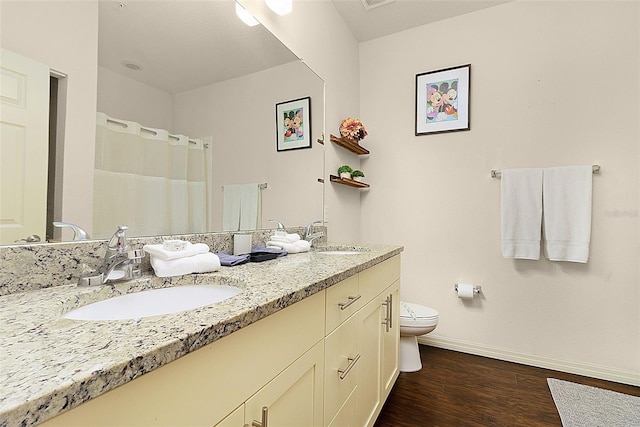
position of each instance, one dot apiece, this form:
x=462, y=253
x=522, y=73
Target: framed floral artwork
x=442, y=100
x=293, y=124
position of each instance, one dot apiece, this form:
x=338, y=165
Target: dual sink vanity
x=308, y=339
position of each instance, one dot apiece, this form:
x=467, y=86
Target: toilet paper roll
x=465, y=291
x=241, y=244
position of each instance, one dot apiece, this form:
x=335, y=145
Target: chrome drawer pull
x=265, y=416
x=352, y=362
x=344, y=305
x=388, y=320
x=390, y=310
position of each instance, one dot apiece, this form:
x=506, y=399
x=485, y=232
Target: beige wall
x=552, y=84
x=124, y=98
x=239, y=115
x=64, y=35
x=315, y=32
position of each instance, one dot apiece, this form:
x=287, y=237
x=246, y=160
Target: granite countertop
x=49, y=364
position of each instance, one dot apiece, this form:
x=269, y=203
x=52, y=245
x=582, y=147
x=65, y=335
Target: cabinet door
x=294, y=397
x=391, y=341
x=369, y=398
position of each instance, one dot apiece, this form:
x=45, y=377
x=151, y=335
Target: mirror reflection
x=192, y=81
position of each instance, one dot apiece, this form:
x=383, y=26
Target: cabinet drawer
x=377, y=278
x=341, y=366
x=347, y=416
x=343, y=299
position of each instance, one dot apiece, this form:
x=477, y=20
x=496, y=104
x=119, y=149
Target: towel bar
x=262, y=186
x=497, y=174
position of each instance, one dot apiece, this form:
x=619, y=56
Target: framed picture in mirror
x=293, y=124
x=442, y=100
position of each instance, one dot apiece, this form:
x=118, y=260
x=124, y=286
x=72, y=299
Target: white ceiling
x=399, y=15
x=182, y=45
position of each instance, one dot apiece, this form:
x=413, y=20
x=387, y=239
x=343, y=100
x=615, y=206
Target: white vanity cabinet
x=205, y=386
x=328, y=360
x=361, y=357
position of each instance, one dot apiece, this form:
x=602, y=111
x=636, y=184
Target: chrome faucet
x=119, y=264
x=78, y=232
x=310, y=236
x=281, y=226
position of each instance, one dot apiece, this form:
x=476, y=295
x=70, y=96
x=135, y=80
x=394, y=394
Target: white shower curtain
x=146, y=178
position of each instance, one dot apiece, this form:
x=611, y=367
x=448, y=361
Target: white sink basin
x=339, y=252
x=153, y=302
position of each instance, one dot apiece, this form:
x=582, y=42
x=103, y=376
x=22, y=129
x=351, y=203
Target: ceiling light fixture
x=245, y=16
x=371, y=4
x=281, y=7
x=131, y=65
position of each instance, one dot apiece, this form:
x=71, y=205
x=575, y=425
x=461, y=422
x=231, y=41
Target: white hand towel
x=521, y=212
x=201, y=263
x=292, y=248
x=567, y=213
x=242, y=207
x=288, y=238
x=190, y=249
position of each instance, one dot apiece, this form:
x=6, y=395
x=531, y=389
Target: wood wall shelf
x=349, y=145
x=349, y=182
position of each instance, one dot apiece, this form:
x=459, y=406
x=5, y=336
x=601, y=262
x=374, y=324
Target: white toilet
x=415, y=320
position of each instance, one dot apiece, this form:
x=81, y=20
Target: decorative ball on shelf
x=352, y=129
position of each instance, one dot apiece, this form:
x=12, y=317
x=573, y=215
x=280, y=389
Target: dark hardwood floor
x=457, y=390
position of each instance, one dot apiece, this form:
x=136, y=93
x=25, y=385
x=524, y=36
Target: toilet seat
x=417, y=316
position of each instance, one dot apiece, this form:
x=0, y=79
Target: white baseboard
x=589, y=370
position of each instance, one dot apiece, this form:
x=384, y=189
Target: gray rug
x=583, y=406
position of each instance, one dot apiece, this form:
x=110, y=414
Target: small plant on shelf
x=357, y=175
x=345, y=171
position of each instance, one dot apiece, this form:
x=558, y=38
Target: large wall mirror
x=187, y=69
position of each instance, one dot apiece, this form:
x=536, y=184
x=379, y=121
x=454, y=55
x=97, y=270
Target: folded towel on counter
x=231, y=260
x=292, y=248
x=200, y=263
x=567, y=213
x=190, y=249
x=521, y=213
x=285, y=238
x=276, y=250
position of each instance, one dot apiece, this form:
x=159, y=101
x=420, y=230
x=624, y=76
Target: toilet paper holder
x=476, y=289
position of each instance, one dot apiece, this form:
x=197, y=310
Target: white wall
x=552, y=84
x=239, y=115
x=64, y=35
x=315, y=32
x=124, y=98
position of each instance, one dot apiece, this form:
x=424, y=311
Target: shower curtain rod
x=497, y=174
x=153, y=132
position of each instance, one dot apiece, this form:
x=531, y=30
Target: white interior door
x=24, y=142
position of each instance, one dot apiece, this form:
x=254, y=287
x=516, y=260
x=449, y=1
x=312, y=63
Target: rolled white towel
x=292, y=248
x=190, y=249
x=200, y=263
x=288, y=238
